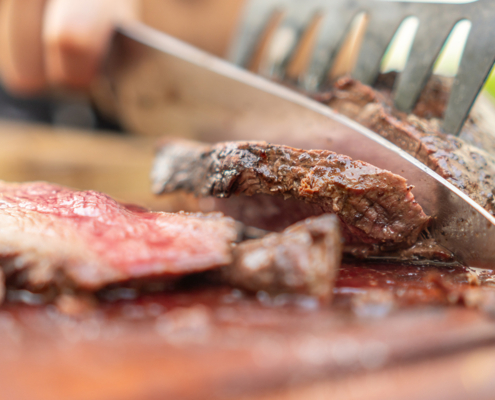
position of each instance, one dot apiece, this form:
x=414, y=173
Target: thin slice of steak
x=50, y=232
x=375, y=205
x=303, y=259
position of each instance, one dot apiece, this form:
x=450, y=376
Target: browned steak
x=375, y=205
x=302, y=259
x=467, y=167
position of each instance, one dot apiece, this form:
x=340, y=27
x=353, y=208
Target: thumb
x=76, y=35
x=21, y=50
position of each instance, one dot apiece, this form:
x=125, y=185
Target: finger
x=76, y=35
x=21, y=50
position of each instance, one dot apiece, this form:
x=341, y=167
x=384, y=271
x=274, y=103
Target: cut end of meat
x=303, y=259
x=374, y=205
x=91, y=239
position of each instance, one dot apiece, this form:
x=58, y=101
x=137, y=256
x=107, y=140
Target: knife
x=162, y=85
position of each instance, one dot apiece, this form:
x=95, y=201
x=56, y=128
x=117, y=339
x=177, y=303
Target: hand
x=45, y=43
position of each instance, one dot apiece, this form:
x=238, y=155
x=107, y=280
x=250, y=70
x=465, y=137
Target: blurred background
x=210, y=25
x=57, y=124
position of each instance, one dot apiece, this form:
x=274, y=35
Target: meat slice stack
x=55, y=236
x=469, y=168
x=55, y=233
x=375, y=206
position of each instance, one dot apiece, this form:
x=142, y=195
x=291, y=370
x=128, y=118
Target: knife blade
x=162, y=85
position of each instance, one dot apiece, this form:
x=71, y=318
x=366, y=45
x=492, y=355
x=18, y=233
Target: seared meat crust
x=467, y=167
x=375, y=205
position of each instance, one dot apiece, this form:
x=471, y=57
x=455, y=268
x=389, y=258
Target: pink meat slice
x=50, y=231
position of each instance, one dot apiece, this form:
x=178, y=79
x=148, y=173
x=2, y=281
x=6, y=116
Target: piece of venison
x=467, y=167
x=375, y=206
x=53, y=234
x=302, y=259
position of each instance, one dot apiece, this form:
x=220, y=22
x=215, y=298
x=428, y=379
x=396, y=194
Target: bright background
x=448, y=61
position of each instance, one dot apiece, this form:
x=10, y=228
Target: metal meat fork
x=163, y=86
x=436, y=21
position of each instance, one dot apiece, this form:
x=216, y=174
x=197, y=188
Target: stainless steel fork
x=436, y=21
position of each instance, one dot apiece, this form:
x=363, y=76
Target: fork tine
x=384, y=18
x=257, y=15
x=383, y=23
x=333, y=30
x=473, y=72
x=428, y=43
x=293, y=25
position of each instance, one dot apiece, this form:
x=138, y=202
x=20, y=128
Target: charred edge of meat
x=66, y=293
x=423, y=252
x=303, y=259
x=375, y=205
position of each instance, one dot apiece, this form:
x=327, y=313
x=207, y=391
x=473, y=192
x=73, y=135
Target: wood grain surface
x=408, y=338
x=118, y=165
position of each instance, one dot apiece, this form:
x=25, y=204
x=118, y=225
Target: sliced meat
x=264, y=211
x=51, y=232
x=375, y=206
x=465, y=166
x=302, y=259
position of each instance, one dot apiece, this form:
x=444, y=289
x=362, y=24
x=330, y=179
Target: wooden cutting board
x=113, y=163
x=391, y=333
